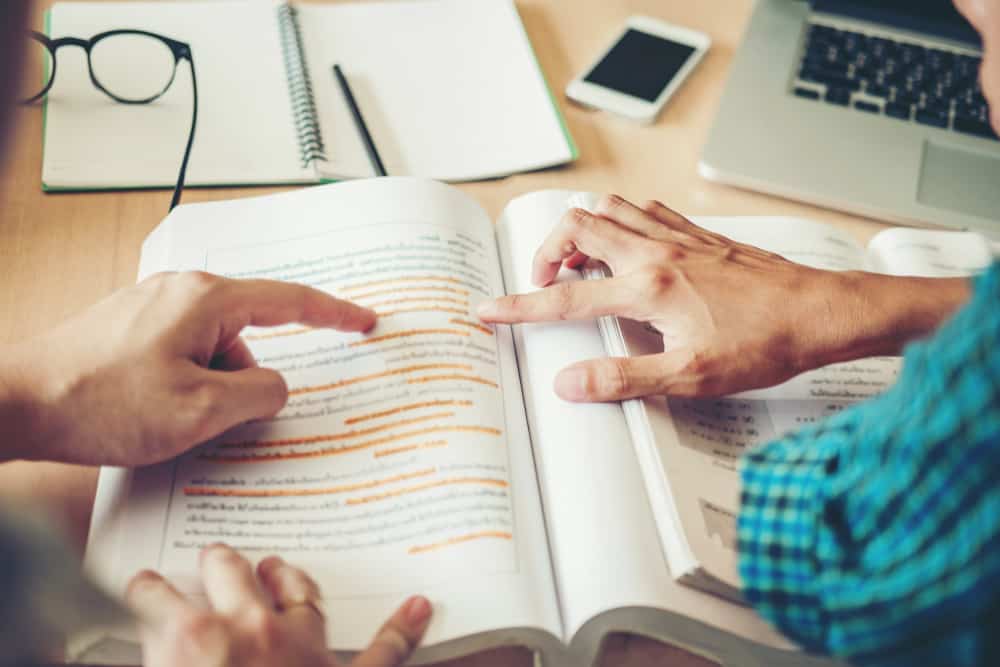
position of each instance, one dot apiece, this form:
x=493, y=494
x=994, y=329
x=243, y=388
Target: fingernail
x=417, y=611
x=571, y=384
x=487, y=309
x=211, y=547
x=270, y=563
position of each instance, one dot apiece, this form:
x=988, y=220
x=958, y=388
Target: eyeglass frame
x=180, y=50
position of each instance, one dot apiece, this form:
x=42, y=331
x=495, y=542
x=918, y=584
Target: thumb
x=619, y=378
x=397, y=639
x=241, y=396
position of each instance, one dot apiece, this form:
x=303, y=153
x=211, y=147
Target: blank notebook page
x=450, y=89
x=245, y=133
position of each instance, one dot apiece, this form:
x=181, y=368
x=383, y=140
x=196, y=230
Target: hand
x=733, y=317
x=154, y=369
x=269, y=619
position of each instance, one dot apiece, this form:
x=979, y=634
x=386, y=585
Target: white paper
x=449, y=89
x=245, y=131
x=483, y=559
x=929, y=253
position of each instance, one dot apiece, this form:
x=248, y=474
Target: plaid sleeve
x=875, y=536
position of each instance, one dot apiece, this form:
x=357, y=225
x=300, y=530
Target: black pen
x=359, y=121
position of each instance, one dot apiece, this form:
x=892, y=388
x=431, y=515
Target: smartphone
x=640, y=69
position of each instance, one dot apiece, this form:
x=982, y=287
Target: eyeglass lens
x=129, y=67
x=134, y=68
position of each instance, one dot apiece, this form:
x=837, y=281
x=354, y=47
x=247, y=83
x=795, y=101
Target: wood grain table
x=61, y=252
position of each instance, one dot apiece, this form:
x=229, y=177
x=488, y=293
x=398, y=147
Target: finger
x=676, y=222
x=154, y=599
x=581, y=232
x=294, y=593
x=575, y=300
x=229, y=581
x=576, y=260
x=271, y=302
x=629, y=215
x=398, y=637
x=234, y=358
x=227, y=399
x=620, y=378
x=664, y=213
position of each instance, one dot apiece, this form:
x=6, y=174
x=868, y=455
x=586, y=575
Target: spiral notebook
x=450, y=89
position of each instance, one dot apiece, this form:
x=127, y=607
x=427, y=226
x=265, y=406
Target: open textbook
x=429, y=455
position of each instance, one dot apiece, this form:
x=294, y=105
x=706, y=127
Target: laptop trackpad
x=960, y=180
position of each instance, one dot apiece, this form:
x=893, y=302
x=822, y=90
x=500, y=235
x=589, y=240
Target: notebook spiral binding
x=300, y=87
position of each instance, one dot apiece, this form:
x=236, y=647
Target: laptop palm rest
x=960, y=180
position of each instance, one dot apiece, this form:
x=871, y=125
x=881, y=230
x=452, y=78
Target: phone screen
x=640, y=65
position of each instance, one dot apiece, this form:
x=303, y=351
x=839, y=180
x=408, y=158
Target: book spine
x=300, y=88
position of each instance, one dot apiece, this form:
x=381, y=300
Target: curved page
x=401, y=463
x=605, y=547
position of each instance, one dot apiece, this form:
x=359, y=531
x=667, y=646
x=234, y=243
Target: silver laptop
x=870, y=106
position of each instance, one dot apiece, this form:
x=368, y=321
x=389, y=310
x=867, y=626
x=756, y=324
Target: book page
x=449, y=89
x=245, y=132
x=401, y=463
x=931, y=253
x=606, y=549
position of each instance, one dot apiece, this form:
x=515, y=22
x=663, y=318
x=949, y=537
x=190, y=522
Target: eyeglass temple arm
x=187, y=151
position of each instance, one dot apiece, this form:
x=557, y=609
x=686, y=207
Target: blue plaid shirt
x=875, y=536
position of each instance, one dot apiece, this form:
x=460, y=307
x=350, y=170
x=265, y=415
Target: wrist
x=855, y=314
x=27, y=399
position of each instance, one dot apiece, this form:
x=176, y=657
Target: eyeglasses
x=129, y=66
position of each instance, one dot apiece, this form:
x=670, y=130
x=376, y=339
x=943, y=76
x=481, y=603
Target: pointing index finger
x=271, y=302
x=575, y=300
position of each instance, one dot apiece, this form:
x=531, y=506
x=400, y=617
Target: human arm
x=732, y=317
x=153, y=370
x=269, y=617
x=872, y=536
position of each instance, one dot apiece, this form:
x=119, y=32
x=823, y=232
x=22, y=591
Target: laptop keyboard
x=896, y=79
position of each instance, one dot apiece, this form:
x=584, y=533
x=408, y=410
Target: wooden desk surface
x=59, y=253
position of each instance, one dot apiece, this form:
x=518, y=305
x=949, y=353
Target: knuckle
x=197, y=282
x=515, y=303
x=668, y=253
x=652, y=205
x=302, y=581
x=577, y=218
x=159, y=280
x=394, y=641
x=612, y=380
x=197, y=627
x=698, y=371
x=202, y=402
x=657, y=281
x=263, y=624
x=279, y=387
x=142, y=582
x=610, y=203
x=563, y=299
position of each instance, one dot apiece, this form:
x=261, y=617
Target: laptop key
x=898, y=111
x=905, y=81
x=876, y=90
x=976, y=127
x=840, y=96
x=929, y=117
